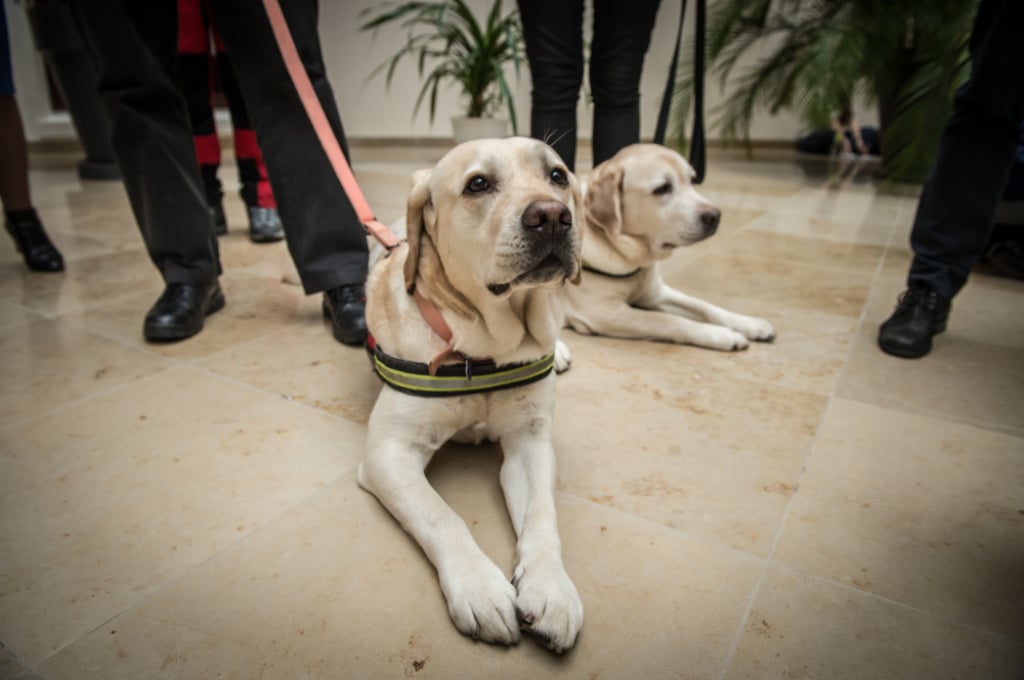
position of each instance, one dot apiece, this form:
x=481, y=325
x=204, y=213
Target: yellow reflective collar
x=472, y=376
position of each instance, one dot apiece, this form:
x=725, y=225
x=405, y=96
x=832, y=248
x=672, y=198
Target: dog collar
x=472, y=376
x=592, y=270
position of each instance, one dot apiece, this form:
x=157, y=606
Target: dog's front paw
x=482, y=602
x=753, y=328
x=720, y=338
x=563, y=357
x=548, y=605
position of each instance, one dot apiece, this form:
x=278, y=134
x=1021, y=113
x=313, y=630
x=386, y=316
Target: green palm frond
x=449, y=45
x=906, y=56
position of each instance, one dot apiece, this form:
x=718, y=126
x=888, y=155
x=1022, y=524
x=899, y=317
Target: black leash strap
x=697, y=155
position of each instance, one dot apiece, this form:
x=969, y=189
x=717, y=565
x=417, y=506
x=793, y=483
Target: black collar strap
x=588, y=268
x=473, y=376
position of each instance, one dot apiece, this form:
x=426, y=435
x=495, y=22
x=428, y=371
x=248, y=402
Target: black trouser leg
x=134, y=44
x=975, y=155
x=553, y=32
x=325, y=237
x=252, y=174
x=622, y=34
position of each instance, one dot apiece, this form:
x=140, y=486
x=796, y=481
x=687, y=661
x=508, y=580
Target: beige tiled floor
x=810, y=508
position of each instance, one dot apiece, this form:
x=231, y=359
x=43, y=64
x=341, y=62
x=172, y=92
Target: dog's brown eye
x=559, y=177
x=664, y=189
x=477, y=184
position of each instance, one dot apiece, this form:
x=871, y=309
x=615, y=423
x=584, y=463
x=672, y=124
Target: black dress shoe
x=345, y=306
x=180, y=310
x=38, y=251
x=920, y=314
x=264, y=225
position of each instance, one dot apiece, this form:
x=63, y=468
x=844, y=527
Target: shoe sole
x=164, y=334
x=258, y=238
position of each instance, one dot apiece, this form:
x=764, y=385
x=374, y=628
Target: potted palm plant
x=450, y=46
x=905, y=56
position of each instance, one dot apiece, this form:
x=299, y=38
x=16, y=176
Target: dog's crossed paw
x=482, y=602
x=548, y=605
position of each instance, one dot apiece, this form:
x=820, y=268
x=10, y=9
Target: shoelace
x=912, y=297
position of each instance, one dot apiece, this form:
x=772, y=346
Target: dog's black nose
x=710, y=219
x=548, y=217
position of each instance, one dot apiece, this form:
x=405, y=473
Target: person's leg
x=958, y=202
x=553, y=33
x=622, y=34
x=264, y=222
x=134, y=44
x=20, y=218
x=195, y=81
x=325, y=237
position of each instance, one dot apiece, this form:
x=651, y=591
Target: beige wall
x=369, y=109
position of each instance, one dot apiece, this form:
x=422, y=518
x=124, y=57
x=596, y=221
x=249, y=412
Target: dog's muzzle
x=549, y=249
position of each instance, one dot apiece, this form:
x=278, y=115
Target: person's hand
x=862, y=148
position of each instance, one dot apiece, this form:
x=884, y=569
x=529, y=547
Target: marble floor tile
x=47, y=364
x=105, y=502
x=305, y=364
x=256, y=306
x=92, y=281
x=650, y=429
x=921, y=511
x=768, y=284
x=803, y=627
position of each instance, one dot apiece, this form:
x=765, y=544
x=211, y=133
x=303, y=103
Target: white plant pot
x=465, y=128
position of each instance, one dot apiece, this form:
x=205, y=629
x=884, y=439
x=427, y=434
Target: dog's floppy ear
x=577, y=209
x=419, y=197
x=603, y=203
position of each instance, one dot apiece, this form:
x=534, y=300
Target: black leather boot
x=920, y=314
x=345, y=306
x=179, y=312
x=38, y=251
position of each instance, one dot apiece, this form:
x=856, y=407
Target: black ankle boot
x=920, y=314
x=345, y=306
x=38, y=251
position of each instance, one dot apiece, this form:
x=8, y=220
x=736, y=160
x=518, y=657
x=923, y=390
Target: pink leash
x=318, y=119
x=325, y=134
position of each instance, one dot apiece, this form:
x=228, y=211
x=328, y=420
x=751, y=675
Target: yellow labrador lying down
x=640, y=205
x=493, y=235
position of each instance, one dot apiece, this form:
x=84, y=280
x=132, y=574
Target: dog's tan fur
x=640, y=206
x=495, y=279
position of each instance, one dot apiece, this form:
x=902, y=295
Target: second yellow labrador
x=492, y=236
x=640, y=205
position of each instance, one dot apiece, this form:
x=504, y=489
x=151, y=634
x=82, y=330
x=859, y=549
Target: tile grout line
x=810, y=452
